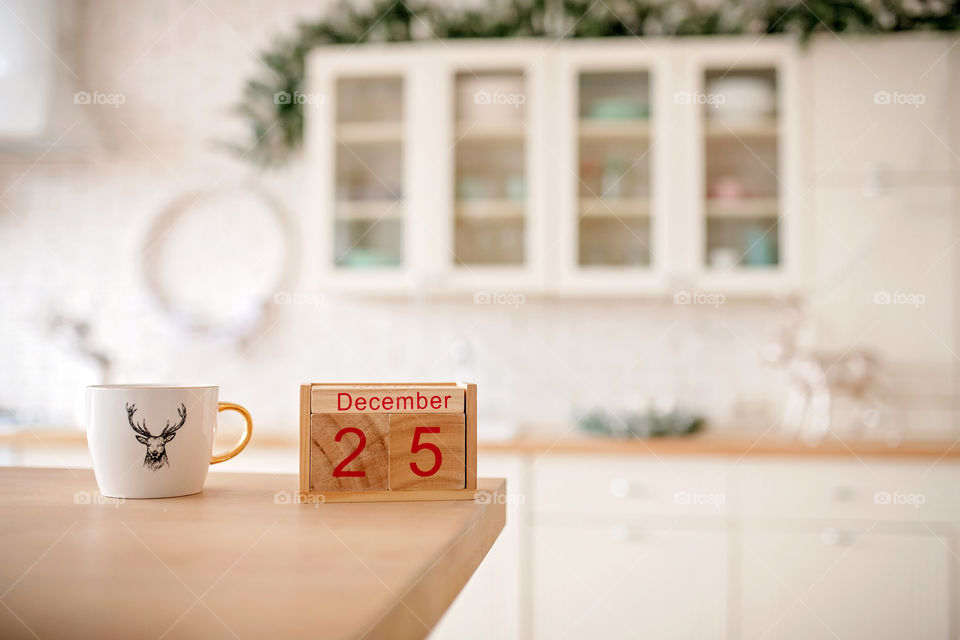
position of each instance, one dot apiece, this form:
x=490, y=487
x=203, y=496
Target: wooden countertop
x=709, y=444
x=238, y=560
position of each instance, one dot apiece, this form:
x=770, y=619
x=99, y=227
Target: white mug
x=155, y=441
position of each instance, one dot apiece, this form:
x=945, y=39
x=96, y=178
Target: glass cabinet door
x=742, y=183
x=490, y=188
x=368, y=163
x=613, y=150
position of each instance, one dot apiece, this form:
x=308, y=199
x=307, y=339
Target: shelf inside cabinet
x=369, y=132
x=742, y=207
x=602, y=128
x=378, y=209
x=490, y=208
x=490, y=131
x=614, y=207
x=761, y=128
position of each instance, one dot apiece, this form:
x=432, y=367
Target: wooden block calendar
x=381, y=442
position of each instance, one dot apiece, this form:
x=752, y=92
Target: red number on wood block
x=417, y=446
x=339, y=471
x=349, y=452
x=427, y=451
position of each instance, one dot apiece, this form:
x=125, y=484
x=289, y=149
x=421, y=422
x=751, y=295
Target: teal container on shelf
x=618, y=109
x=761, y=247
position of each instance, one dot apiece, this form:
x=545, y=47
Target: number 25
x=420, y=446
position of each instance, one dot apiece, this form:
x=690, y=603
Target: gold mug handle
x=244, y=439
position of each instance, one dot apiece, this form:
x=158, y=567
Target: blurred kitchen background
x=704, y=272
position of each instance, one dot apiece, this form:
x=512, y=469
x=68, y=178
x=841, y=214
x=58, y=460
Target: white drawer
x=629, y=485
x=873, y=489
x=798, y=584
x=657, y=583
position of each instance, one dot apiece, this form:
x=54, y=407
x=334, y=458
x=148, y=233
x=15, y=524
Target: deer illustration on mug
x=156, y=457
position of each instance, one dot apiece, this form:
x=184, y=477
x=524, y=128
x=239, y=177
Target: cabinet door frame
x=531, y=57
x=324, y=68
x=613, y=55
x=782, y=55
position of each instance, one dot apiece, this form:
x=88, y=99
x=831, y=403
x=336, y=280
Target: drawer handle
x=844, y=493
x=624, y=533
x=833, y=537
x=623, y=488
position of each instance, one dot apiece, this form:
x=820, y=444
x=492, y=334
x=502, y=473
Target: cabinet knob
x=844, y=493
x=623, y=488
x=625, y=533
x=833, y=537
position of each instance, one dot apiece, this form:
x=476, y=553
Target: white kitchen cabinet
x=840, y=581
x=572, y=168
x=620, y=549
x=612, y=167
x=490, y=605
x=460, y=163
x=628, y=580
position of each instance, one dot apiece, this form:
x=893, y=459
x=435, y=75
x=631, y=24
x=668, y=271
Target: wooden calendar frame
x=469, y=491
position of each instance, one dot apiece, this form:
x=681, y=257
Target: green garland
x=276, y=126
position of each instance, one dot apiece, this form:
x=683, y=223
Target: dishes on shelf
x=360, y=257
x=761, y=249
x=615, y=169
x=741, y=99
x=483, y=187
x=616, y=175
x=723, y=257
x=623, y=95
x=726, y=187
x=742, y=242
x=368, y=242
x=618, y=109
x=516, y=188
